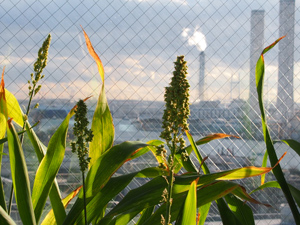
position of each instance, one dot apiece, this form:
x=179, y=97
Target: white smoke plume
x=195, y=38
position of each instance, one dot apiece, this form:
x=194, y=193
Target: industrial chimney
x=256, y=47
x=202, y=76
x=285, y=94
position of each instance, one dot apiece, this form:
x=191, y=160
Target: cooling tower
x=202, y=76
x=256, y=47
x=285, y=90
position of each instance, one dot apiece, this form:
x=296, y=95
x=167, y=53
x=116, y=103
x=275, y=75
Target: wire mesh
x=137, y=41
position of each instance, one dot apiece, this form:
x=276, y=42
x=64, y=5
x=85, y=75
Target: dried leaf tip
x=2, y=80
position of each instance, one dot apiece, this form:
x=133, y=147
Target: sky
x=138, y=41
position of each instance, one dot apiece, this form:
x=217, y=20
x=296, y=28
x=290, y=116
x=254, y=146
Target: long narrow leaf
x=49, y=166
x=227, y=216
x=190, y=206
x=241, y=210
x=20, y=177
x=274, y=184
x=54, y=195
x=295, y=145
x=203, y=211
x=5, y=219
x=259, y=73
x=102, y=124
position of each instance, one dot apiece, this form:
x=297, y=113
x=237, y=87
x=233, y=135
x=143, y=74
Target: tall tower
x=256, y=47
x=202, y=76
x=285, y=94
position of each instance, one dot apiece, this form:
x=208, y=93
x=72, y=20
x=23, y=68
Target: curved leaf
x=295, y=145
x=259, y=73
x=274, y=184
x=94, y=55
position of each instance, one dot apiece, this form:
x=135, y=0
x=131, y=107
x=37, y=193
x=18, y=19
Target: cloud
x=195, y=39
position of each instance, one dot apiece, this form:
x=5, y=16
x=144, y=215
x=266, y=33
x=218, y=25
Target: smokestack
x=256, y=47
x=202, y=76
x=285, y=94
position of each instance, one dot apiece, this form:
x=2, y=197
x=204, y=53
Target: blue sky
x=137, y=42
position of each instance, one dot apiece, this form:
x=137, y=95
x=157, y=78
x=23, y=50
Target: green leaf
x=49, y=166
x=274, y=184
x=264, y=164
x=102, y=124
x=195, y=149
x=295, y=145
x=100, y=200
x=102, y=127
x=241, y=210
x=151, y=148
x=142, y=197
x=227, y=217
x=5, y=219
x=205, y=195
x=54, y=195
x=203, y=212
x=259, y=73
x=145, y=214
x=100, y=185
x=20, y=177
x=189, y=211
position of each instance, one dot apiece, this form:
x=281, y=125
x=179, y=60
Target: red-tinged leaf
x=50, y=218
x=241, y=193
x=203, y=211
x=209, y=138
x=3, y=108
x=94, y=55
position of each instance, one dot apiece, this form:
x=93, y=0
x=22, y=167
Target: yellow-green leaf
x=50, y=218
x=190, y=206
x=13, y=108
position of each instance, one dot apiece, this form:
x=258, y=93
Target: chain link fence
x=137, y=41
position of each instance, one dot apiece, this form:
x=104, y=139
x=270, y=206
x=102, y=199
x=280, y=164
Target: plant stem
x=84, y=198
x=170, y=179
